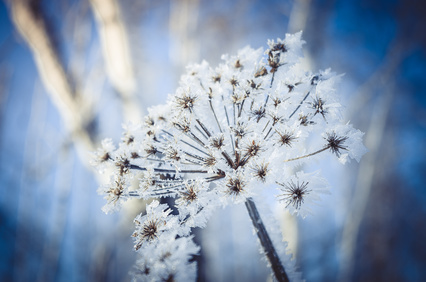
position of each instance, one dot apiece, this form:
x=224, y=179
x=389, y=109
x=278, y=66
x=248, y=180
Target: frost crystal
x=226, y=133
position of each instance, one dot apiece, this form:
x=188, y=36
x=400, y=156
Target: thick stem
x=266, y=242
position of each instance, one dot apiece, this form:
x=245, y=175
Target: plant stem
x=309, y=155
x=266, y=242
x=301, y=102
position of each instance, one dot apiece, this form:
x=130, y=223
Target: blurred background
x=72, y=71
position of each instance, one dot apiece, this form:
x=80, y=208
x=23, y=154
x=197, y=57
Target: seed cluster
x=225, y=134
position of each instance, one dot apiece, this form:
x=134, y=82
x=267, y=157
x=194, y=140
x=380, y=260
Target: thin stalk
x=233, y=106
x=266, y=136
x=241, y=108
x=214, y=113
x=219, y=175
x=135, y=194
x=195, y=138
x=190, y=162
x=180, y=171
x=228, y=158
x=163, y=194
x=192, y=146
x=308, y=155
x=266, y=126
x=184, y=142
x=167, y=188
x=201, y=132
x=155, y=160
x=189, y=216
x=227, y=119
x=235, y=118
x=204, y=128
x=168, y=181
x=300, y=104
x=161, y=170
x=226, y=112
x=191, y=135
x=194, y=156
x=272, y=79
x=214, y=178
x=244, y=160
x=266, y=242
x=270, y=86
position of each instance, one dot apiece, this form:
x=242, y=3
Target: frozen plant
x=227, y=133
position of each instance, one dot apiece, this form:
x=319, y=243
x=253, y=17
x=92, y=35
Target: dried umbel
x=227, y=133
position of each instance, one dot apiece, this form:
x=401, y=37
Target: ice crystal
x=226, y=133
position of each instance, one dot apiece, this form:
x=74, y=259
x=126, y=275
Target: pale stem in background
x=33, y=29
x=373, y=140
x=117, y=55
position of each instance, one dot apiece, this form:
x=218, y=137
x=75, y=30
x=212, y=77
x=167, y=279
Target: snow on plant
x=227, y=133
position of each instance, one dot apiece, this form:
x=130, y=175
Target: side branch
x=300, y=104
x=215, y=116
x=161, y=170
x=266, y=242
x=308, y=155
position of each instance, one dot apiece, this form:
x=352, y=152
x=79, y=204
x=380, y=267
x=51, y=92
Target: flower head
x=336, y=143
x=227, y=133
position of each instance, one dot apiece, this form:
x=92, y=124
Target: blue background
x=51, y=224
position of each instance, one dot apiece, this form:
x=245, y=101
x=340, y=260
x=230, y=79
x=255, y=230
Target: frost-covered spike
x=116, y=192
x=157, y=222
x=301, y=190
x=103, y=155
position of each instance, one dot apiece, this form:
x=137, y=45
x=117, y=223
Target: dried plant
x=226, y=134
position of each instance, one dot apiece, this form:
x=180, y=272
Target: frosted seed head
x=258, y=113
x=286, y=138
x=235, y=185
x=240, y=130
x=294, y=193
x=185, y=101
x=260, y=171
x=234, y=82
x=217, y=142
x=223, y=135
x=149, y=121
x=150, y=150
x=123, y=165
x=261, y=72
x=335, y=143
x=253, y=148
x=238, y=65
x=190, y=192
x=149, y=231
x=216, y=78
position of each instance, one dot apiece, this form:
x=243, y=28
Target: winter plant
x=225, y=135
